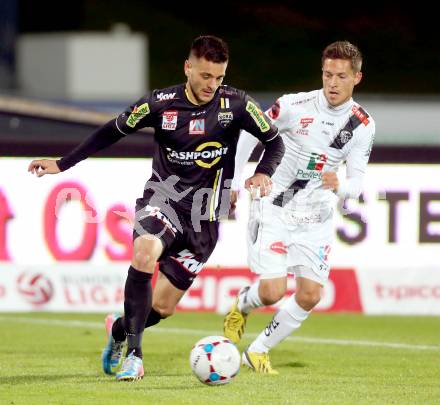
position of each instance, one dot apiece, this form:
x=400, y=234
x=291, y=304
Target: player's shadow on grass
x=292, y=364
x=32, y=378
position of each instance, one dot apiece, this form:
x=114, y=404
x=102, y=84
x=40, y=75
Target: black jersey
x=197, y=143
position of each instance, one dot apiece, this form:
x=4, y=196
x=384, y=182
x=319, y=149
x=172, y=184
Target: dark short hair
x=212, y=48
x=343, y=50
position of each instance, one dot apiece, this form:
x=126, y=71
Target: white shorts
x=280, y=242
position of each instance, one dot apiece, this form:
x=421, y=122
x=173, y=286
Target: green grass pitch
x=333, y=359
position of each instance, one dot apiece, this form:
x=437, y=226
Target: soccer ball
x=215, y=360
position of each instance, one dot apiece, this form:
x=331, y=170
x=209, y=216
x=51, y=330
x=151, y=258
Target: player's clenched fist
x=258, y=181
x=43, y=166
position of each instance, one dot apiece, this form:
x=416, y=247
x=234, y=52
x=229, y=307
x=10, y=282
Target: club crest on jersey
x=197, y=127
x=169, y=120
x=344, y=136
x=225, y=118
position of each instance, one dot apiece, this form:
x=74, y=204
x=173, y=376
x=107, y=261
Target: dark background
x=275, y=46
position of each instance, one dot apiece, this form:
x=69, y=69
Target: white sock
x=249, y=299
x=288, y=319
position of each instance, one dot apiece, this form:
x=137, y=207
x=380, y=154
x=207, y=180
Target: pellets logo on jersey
x=258, y=116
x=206, y=155
x=137, y=114
x=225, y=118
x=197, y=127
x=169, y=120
x=317, y=161
x=314, y=167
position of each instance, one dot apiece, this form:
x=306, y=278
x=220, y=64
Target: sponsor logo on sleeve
x=169, y=120
x=137, y=114
x=258, y=116
x=225, y=118
x=360, y=115
x=274, y=111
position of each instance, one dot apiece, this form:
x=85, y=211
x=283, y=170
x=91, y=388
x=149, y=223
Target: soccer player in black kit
x=197, y=125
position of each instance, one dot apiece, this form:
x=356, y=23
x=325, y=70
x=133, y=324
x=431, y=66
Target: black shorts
x=187, y=245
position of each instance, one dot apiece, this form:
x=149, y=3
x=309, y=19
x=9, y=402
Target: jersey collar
x=339, y=110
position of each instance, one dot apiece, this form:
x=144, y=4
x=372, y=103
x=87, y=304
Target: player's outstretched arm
x=43, y=166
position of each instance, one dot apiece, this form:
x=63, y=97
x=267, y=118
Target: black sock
x=153, y=318
x=137, y=306
x=118, y=328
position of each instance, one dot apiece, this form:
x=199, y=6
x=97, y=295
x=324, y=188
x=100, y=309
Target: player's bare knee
x=145, y=253
x=269, y=296
x=141, y=259
x=308, y=299
x=272, y=290
x=163, y=310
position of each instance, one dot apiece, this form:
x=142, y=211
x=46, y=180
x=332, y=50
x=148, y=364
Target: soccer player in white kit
x=291, y=229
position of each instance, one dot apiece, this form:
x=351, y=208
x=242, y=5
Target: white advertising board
x=392, y=235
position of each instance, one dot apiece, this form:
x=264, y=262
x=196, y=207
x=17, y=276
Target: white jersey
x=317, y=138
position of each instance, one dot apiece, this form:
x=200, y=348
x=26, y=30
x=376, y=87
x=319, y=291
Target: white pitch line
x=205, y=332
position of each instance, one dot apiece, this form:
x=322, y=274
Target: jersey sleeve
x=278, y=113
x=136, y=116
x=356, y=162
x=254, y=121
